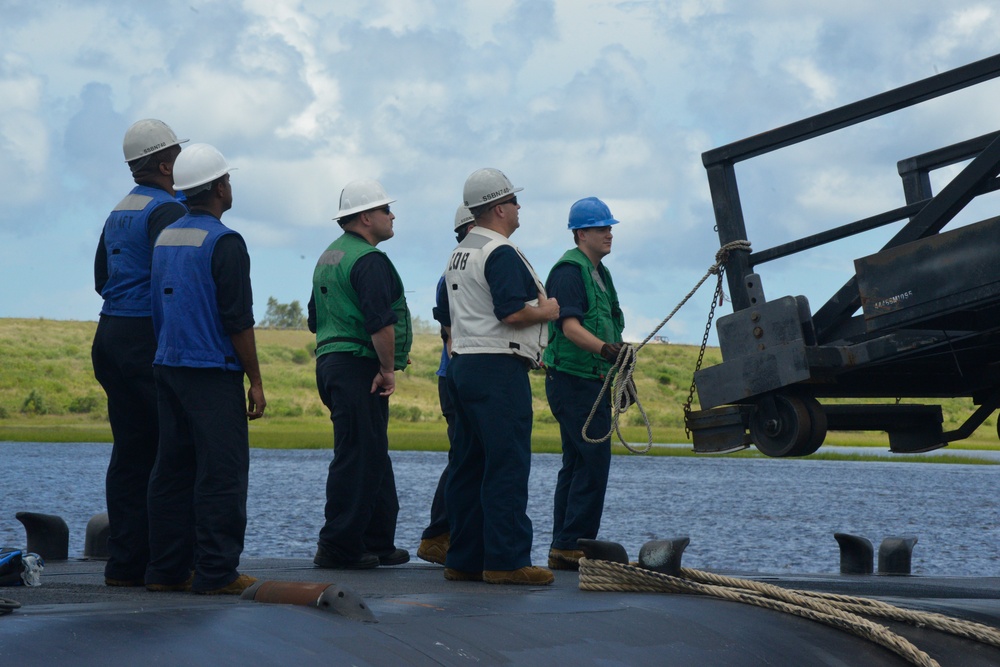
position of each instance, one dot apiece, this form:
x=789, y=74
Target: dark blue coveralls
x=439, y=508
x=583, y=478
x=122, y=355
x=198, y=489
x=361, y=501
x=487, y=489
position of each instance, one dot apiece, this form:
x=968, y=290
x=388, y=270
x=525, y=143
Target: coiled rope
x=7, y=606
x=619, y=378
x=838, y=611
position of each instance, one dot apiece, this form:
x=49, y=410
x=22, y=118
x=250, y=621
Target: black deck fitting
x=663, y=555
x=895, y=554
x=95, y=543
x=857, y=555
x=602, y=550
x=48, y=535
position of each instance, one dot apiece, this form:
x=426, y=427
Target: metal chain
x=623, y=391
x=716, y=299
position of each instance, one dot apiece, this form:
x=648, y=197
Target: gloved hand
x=609, y=351
x=628, y=397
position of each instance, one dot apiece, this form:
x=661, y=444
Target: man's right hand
x=610, y=352
x=548, y=307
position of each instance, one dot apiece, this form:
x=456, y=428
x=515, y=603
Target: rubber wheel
x=817, y=429
x=786, y=435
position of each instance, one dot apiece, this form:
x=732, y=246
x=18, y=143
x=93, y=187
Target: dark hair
x=348, y=219
x=149, y=165
x=202, y=196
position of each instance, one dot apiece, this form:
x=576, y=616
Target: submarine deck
x=421, y=619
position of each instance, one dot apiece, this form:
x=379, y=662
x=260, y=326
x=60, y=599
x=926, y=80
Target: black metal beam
x=835, y=234
x=948, y=155
x=857, y=112
x=930, y=220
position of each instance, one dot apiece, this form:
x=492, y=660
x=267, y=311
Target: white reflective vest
x=475, y=329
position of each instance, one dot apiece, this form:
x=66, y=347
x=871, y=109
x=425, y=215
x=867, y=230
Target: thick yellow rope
x=839, y=611
x=597, y=575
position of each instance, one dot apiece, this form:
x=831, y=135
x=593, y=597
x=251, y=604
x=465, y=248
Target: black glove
x=609, y=351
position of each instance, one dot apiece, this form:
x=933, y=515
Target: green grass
x=48, y=394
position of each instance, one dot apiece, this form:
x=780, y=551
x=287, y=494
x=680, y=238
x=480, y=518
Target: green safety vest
x=604, y=319
x=340, y=326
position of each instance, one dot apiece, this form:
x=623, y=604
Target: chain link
x=619, y=377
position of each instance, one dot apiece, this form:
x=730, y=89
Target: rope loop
x=619, y=379
x=838, y=611
x=7, y=606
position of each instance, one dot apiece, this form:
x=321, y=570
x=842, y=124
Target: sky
x=569, y=98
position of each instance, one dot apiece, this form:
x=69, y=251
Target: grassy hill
x=48, y=393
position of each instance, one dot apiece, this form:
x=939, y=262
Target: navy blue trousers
x=583, y=478
x=439, y=508
x=198, y=489
x=122, y=355
x=487, y=489
x=361, y=501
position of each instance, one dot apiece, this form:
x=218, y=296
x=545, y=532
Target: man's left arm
x=246, y=349
x=580, y=337
x=512, y=286
x=375, y=284
x=384, y=341
x=234, y=298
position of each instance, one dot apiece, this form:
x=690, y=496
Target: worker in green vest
x=583, y=345
x=363, y=336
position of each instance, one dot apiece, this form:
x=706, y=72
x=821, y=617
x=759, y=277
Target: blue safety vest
x=185, y=312
x=126, y=241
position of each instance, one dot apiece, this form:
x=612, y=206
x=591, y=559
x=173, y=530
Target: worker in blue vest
x=124, y=345
x=363, y=336
x=584, y=343
x=435, y=539
x=497, y=309
x=203, y=318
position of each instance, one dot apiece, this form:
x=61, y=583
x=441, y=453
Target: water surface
x=755, y=515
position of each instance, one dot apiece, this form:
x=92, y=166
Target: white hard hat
x=486, y=185
x=463, y=216
x=197, y=165
x=146, y=137
x=361, y=195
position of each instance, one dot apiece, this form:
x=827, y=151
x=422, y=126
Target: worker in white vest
x=497, y=312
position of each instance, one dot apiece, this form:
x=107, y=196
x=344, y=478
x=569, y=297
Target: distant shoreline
x=404, y=439
x=48, y=394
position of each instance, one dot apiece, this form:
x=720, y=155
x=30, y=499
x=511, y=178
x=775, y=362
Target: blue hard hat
x=590, y=212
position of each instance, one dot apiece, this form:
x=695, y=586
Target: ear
x=166, y=168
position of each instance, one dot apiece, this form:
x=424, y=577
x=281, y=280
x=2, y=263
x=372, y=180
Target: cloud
x=24, y=138
x=611, y=99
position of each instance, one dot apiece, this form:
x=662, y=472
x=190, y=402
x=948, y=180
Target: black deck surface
x=421, y=619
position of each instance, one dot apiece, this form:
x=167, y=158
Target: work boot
x=434, y=549
x=328, y=561
x=181, y=587
x=565, y=559
x=526, y=576
x=241, y=583
x=394, y=557
x=460, y=575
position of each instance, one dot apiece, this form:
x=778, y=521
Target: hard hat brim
x=139, y=157
x=364, y=207
x=599, y=223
